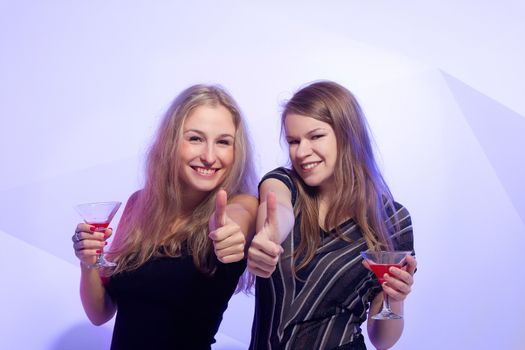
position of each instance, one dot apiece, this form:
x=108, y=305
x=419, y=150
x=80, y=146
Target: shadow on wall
x=84, y=336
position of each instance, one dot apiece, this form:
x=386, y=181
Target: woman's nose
x=304, y=149
x=208, y=155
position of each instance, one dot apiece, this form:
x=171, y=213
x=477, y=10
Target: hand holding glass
x=99, y=215
x=380, y=262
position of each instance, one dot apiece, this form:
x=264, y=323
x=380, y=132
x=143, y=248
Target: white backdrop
x=83, y=85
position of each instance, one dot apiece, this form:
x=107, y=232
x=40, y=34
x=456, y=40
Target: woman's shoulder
x=132, y=200
x=134, y=196
x=279, y=171
x=283, y=175
x=398, y=211
x=401, y=224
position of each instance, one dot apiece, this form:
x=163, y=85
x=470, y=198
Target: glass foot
x=386, y=315
x=102, y=263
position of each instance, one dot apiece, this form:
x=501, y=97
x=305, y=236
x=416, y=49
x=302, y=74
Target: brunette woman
x=313, y=289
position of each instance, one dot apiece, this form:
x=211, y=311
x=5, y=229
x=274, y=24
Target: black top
x=168, y=304
x=325, y=306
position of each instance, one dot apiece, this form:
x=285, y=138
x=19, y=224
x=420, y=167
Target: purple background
x=83, y=85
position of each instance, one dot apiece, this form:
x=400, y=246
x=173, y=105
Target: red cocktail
x=380, y=262
x=99, y=215
x=380, y=270
x=99, y=226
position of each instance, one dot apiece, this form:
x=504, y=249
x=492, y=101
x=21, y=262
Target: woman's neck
x=190, y=201
x=326, y=205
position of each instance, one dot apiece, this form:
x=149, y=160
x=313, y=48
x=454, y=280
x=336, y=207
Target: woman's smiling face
x=312, y=147
x=206, y=150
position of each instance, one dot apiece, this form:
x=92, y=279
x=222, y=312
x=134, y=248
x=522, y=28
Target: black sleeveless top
x=168, y=304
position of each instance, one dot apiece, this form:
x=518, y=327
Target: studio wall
x=83, y=86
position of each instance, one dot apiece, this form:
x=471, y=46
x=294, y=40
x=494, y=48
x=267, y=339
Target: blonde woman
x=180, y=244
x=313, y=291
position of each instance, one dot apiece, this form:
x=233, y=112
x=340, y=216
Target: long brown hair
x=362, y=191
x=147, y=226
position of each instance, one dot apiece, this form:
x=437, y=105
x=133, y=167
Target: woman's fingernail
x=99, y=251
x=92, y=228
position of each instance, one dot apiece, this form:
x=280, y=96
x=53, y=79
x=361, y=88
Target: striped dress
x=324, y=307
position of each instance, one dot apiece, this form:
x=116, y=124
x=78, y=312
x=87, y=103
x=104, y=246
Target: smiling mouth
x=205, y=171
x=309, y=166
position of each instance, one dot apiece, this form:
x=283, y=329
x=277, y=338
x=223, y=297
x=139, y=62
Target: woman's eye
x=224, y=142
x=195, y=139
x=293, y=142
x=315, y=137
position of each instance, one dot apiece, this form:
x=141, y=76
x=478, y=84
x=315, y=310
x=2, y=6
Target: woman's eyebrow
x=313, y=131
x=200, y=132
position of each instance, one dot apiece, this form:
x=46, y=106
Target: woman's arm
x=283, y=216
x=275, y=220
x=242, y=209
x=97, y=304
x=96, y=301
x=384, y=334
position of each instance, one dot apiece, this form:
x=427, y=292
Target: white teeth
x=309, y=165
x=204, y=171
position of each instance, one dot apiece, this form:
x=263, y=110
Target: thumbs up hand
x=228, y=239
x=265, y=249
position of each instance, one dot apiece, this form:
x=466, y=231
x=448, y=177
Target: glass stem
x=386, y=303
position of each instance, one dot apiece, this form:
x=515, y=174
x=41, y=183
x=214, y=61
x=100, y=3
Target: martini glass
x=380, y=262
x=99, y=214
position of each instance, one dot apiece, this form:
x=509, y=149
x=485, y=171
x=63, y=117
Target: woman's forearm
x=284, y=217
x=97, y=303
x=243, y=210
x=384, y=334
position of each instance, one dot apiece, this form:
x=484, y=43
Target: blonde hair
x=362, y=190
x=147, y=228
